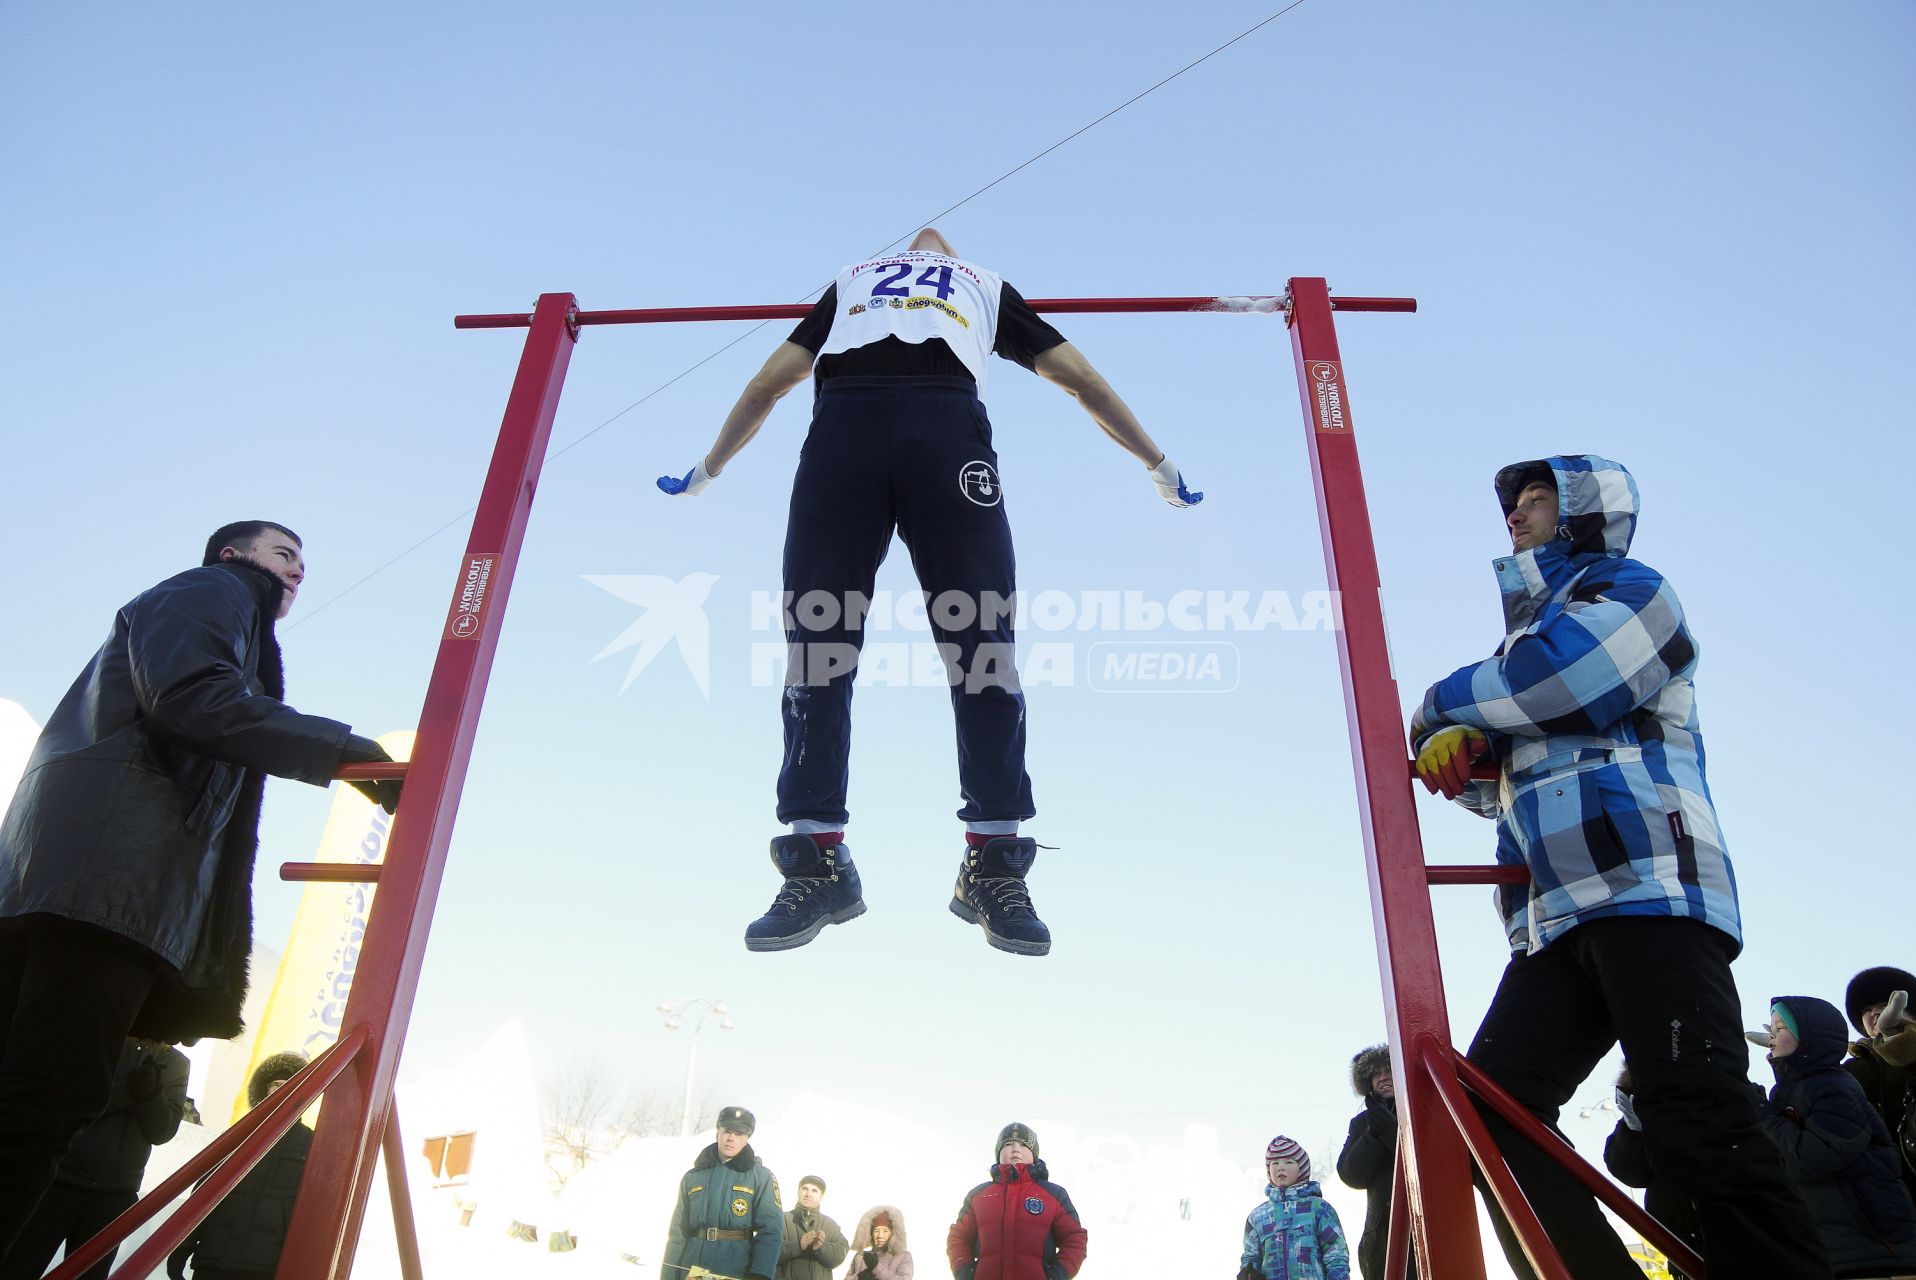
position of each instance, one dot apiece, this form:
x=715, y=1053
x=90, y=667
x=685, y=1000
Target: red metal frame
x=1441, y=1128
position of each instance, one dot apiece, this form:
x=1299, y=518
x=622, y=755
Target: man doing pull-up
x=899, y=442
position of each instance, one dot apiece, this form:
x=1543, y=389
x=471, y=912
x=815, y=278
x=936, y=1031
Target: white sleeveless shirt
x=914, y=296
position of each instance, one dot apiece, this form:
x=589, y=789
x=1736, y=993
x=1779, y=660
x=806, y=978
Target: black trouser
x=911, y=455
x=68, y=995
x=67, y=1215
x=1662, y=987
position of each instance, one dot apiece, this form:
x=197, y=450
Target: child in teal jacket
x=1294, y=1234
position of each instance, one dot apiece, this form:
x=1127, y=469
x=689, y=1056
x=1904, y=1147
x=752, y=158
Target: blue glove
x=692, y=484
x=1170, y=483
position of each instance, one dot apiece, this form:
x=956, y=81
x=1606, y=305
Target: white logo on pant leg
x=978, y=481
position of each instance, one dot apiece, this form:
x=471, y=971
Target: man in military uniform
x=728, y=1219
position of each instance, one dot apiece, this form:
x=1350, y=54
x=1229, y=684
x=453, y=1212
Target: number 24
x=936, y=278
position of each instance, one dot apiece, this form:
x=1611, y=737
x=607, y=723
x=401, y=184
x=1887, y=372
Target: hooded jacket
x=1836, y=1150
x=738, y=1197
x=1590, y=713
x=1018, y=1226
x=894, y=1261
x=1368, y=1162
x=246, y=1232
x=1295, y=1235
x=138, y=812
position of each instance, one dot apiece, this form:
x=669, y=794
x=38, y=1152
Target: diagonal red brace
x=223, y=1162
x=1681, y=1255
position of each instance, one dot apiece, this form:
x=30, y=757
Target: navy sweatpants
x=914, y=455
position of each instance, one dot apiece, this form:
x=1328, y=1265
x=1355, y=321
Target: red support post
x=1438, y=1064
x=405, y=1228
x=1397, y=1226
x=1438, y=1167
x=357, y=1114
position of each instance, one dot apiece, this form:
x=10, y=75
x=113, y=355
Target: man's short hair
x=239, y=534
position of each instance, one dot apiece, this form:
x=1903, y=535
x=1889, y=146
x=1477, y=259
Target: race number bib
x=916, y=296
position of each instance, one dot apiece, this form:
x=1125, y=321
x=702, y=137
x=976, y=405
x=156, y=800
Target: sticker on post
x=469, y=602
x=1327, y=392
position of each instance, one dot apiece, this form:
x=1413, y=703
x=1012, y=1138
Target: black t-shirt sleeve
x=817, y=326
x=1023, y=334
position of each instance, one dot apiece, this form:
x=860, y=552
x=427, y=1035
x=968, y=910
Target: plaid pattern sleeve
x=1584, y=664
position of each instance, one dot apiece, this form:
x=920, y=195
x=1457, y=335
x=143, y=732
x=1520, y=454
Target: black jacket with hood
x=1368, y=1162
x=1836, y=1149
x=246, y=1232
x=138, y=812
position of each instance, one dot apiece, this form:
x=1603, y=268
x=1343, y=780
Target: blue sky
x=1676, y=236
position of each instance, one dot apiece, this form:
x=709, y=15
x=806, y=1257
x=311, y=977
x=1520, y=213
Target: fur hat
x=1282, y=1148
x=738, y=1120
x=891, y=1217
x=1367, y=1063
x=276, y=1069
x=1015, y=1132
x=1872, y=986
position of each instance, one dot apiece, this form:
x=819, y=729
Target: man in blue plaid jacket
x=1629, y=923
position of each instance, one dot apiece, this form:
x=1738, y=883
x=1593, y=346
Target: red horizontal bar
x=374, y=772
x=1260, y=304
x=330, y=872
x=1454, y=875
x=1402, y=306
x=234, y=1152
x=1680, y=1254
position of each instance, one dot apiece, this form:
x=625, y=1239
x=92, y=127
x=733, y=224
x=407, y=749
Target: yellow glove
x=1444, y=763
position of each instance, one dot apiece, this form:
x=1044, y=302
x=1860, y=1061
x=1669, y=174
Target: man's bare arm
x=784, y=369
x=1065, y=366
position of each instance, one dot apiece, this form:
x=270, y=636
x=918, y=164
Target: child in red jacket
x=1020, y=1225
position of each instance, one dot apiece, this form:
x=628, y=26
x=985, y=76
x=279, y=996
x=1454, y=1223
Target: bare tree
x=578, y=1114
x=650, y=1111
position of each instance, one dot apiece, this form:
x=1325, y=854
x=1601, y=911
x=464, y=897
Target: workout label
x=1327, y=390
x=469, y=597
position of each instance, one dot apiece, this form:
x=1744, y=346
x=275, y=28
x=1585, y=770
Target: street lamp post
x=676, y=1012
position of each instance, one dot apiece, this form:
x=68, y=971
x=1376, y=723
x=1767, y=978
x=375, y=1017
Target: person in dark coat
x=243, y=1236
x=1884, y=1060
x=811, y=1245
x=1368, y=1162
x=1627, y=1156
x=100, y=1177
x=126, y=856
x=1020, y=1225
x=728, y=1218
x=1834, y=1145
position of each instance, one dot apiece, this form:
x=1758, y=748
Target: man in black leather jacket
x=126, y=857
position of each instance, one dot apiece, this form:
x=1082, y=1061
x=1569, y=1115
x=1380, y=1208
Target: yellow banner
x=308, y=999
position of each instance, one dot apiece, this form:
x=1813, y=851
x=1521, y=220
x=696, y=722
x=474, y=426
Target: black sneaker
x=991, y=893
x=821, y=888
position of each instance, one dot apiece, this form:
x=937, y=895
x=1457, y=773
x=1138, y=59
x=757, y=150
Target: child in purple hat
x=1294, y=1234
